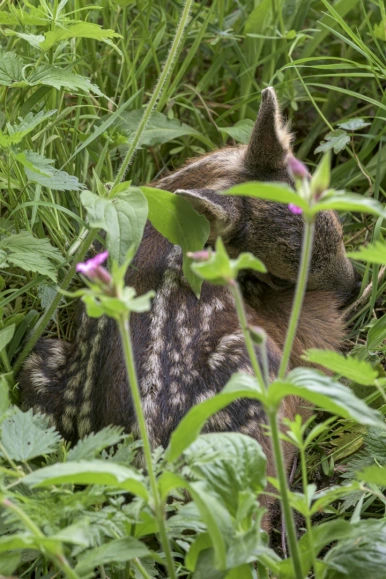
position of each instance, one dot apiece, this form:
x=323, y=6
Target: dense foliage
x=122, y=89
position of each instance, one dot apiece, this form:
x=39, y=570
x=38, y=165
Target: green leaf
x=241, y=131
x=247, y=261
x=377, y=334
x=81, y=30
x=230, y=463
x=4, y=396
x=28, y=541
x=11, y=67
x=320, y=180
x=39, y=170
x=239, y=386
x=60, y=78
x=355, y=370
x=158, y=130
x=324, y=392
x=89, y=472
x=123, y=217
x=94, y=443
x=336, y=140
x=374, y=474
x=17, y=133
x=175, y=219
x=25, y=436
x=9, y=561
x=372, y=253
x=30, y=254
x=6, y=335
x=354, y=124
x=117, y=551
x=277, y=192
x=340, y=201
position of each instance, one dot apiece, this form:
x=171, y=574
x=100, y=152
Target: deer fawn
x=186, y=348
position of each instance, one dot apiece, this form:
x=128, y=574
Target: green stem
x=301, y=286
x=284, y=492
x=141, y=568
x=167, y=69
x=307, y=517
x=240, y=308
x=63, y=564
x=124, y=330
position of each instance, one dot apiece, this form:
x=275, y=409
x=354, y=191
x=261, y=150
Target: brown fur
x=186, y=349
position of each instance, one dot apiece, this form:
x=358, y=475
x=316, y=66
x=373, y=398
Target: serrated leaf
x=336, y=140
x=118, y=551
x=89, y=472
x=324, y=392
x=158, y=130
x=16, y=133
x=39, y=170
x=175, y=219
x=230, y=463
x=278, y=192
x=95, y=442
x=123, y=217
x=6, y=335
x=240, y=132
x=10, y=68
x=355, y=370
x=81, y=30
x=31, y=254
x=380, y=30
x=25, y=436
x=354, y=124
x=239, y=386
x=371, y=253
x=49, y=75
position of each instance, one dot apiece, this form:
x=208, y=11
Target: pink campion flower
x=295, y=209
x=297, y=169
x=93, y=270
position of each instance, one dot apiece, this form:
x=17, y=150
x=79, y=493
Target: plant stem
x=301, y=285
x=308, y=518
x=240, y=308
x=284, y=492
x=167, y=69
x=124, y=330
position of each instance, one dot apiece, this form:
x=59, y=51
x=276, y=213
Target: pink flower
x=296, y=169
x=93, y=270
x=199, y=255
x=295, y=209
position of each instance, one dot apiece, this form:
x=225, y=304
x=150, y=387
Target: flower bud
x=295, y=209
x=203, y=255
x=93, y=270
x=296, y=169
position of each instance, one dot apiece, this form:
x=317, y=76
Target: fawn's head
x=267, y=229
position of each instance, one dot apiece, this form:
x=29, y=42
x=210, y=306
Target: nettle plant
x=91, y=511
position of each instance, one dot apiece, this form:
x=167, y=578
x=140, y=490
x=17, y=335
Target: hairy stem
x=124, y=330
x=301, y=286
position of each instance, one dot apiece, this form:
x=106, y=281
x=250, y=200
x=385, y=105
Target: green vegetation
x=78, y=83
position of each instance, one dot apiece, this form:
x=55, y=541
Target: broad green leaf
x=25, y=436
x=94, y=443
x=60, y=78
x=6, y=335
x=354, y=124
x=20, y=15
x=373, y=474
x=336, y=140
x=11, y=67
x=372, y=253
x=16, y=133
x=239, y=386
x=81, y=30
x=30, y=253
x=175, y=219
x=355, y=370
x=240, y=132
x=340, y=201
x=89, y=472
x=123, y=217
x=240, y=572
x=324, y=392
x=29, y=541
x=9, y=561
x=39, y=170
x=230, y=463
x=117, y=551
x=278, y=192
x=75, y=534
x=158, y=130
x=377, y=334
x=201, y=543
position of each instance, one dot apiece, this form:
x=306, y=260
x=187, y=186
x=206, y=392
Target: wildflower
x=199, y=255
x=295, y=209
x=296, y=169
x=93, y=270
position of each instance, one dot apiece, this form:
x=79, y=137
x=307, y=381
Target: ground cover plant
x=97, y=100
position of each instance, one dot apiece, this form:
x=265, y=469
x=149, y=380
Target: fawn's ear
x=203, y=201
x=270, y=139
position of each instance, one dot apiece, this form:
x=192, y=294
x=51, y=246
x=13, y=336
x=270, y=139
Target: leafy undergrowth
x=74, y=82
